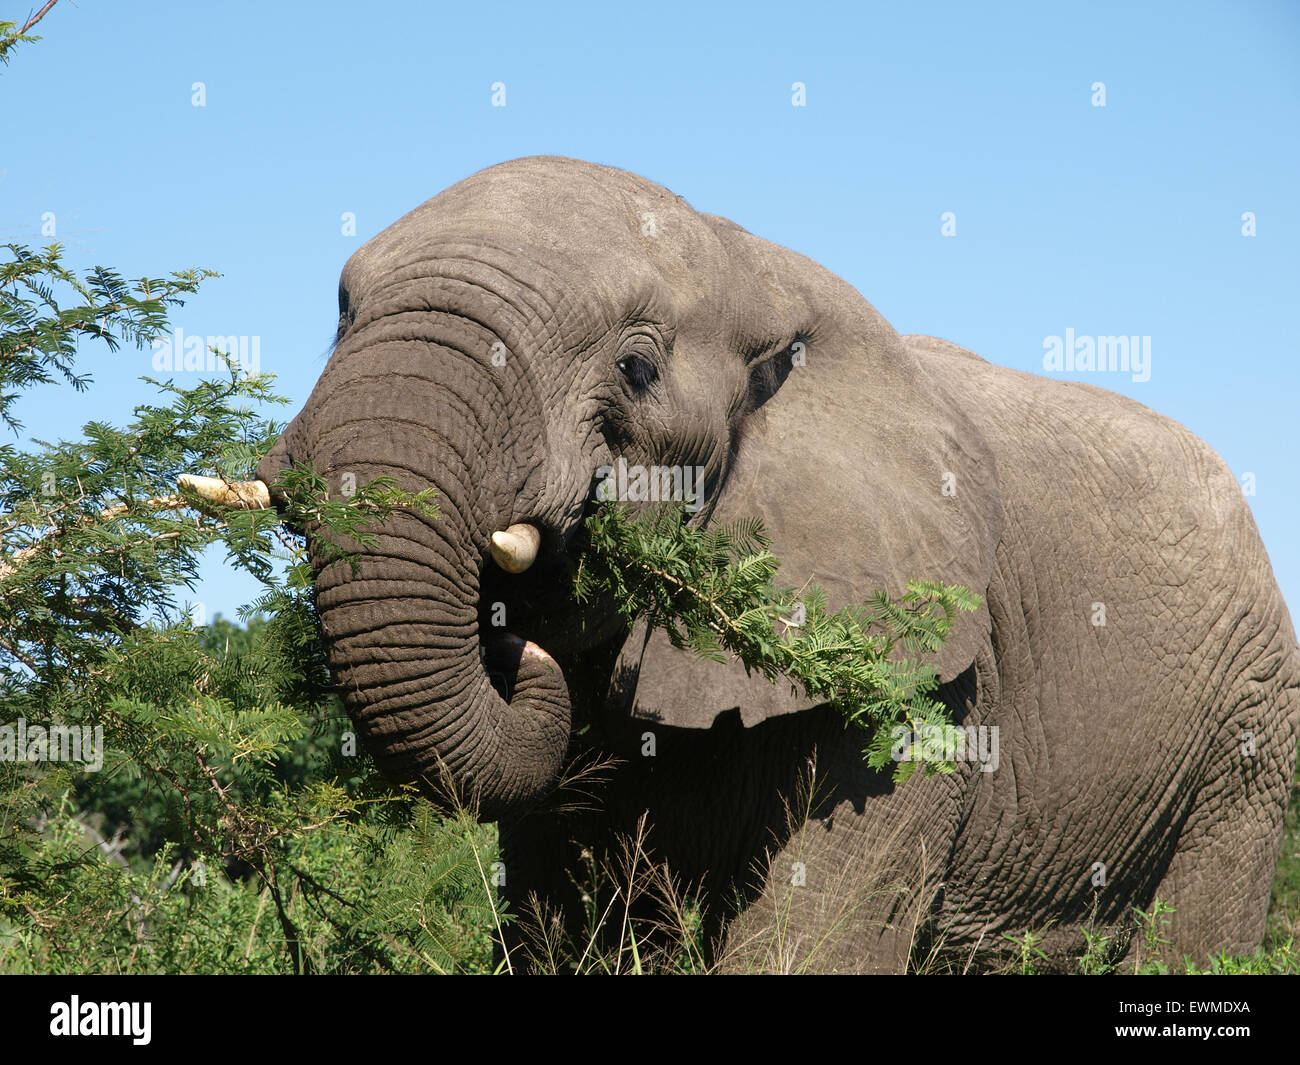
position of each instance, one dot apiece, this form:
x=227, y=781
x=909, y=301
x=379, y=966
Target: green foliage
x=1278, y=956
x=11, y=38
x=1280, y=959
x=229, y=831
x=1151, y=928
x=1095, y=960
x=343, y=527
x=713, y=591
x=39, y=335
x=357, y=898
x=232, y=825
x=1028, y=951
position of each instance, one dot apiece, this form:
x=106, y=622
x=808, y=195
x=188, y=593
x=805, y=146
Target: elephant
x=1132, y=658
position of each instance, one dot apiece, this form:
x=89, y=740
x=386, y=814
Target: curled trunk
x=476, y=718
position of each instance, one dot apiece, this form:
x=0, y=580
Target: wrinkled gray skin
x=1124, y=768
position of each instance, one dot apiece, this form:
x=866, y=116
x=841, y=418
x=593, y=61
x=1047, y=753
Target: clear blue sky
x=1123, y=219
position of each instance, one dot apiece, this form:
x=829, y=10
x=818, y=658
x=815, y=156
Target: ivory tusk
x=242, y=495
x=516, y=549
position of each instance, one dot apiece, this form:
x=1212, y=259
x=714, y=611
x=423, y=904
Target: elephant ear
x=866, y=473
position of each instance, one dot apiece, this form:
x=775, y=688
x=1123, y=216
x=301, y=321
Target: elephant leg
x=582, y=882
x=779, y=847
x=1220, y=876
x=584, y=891
x=800, y=856
x=852, y=890
x=541, y=856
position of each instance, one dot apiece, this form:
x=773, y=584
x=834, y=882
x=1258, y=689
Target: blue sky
x=1117, y=220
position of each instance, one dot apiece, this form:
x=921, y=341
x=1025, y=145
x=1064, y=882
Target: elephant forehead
x=581, y=222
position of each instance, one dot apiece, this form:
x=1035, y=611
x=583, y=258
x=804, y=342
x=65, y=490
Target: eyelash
x=639, y=371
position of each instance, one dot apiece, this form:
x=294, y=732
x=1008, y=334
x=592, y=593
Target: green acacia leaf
x=714, y=591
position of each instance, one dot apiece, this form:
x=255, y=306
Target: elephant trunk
x=474, y=718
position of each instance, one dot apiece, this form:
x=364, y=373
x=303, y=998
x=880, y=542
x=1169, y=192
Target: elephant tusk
x=516, y=549
x=242, y=495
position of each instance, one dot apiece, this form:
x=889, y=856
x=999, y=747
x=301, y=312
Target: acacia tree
x=212, y=814
x=229, y=809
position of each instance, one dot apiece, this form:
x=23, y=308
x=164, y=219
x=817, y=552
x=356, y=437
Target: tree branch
x=10, y=567
x=36, y=17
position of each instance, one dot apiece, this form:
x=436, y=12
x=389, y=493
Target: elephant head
x=548, y=317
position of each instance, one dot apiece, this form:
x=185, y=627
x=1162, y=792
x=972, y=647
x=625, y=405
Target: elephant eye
x=639, y=371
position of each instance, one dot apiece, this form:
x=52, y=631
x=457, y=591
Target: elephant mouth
x=531, y=620
x=538, y=604
x=539, y=607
